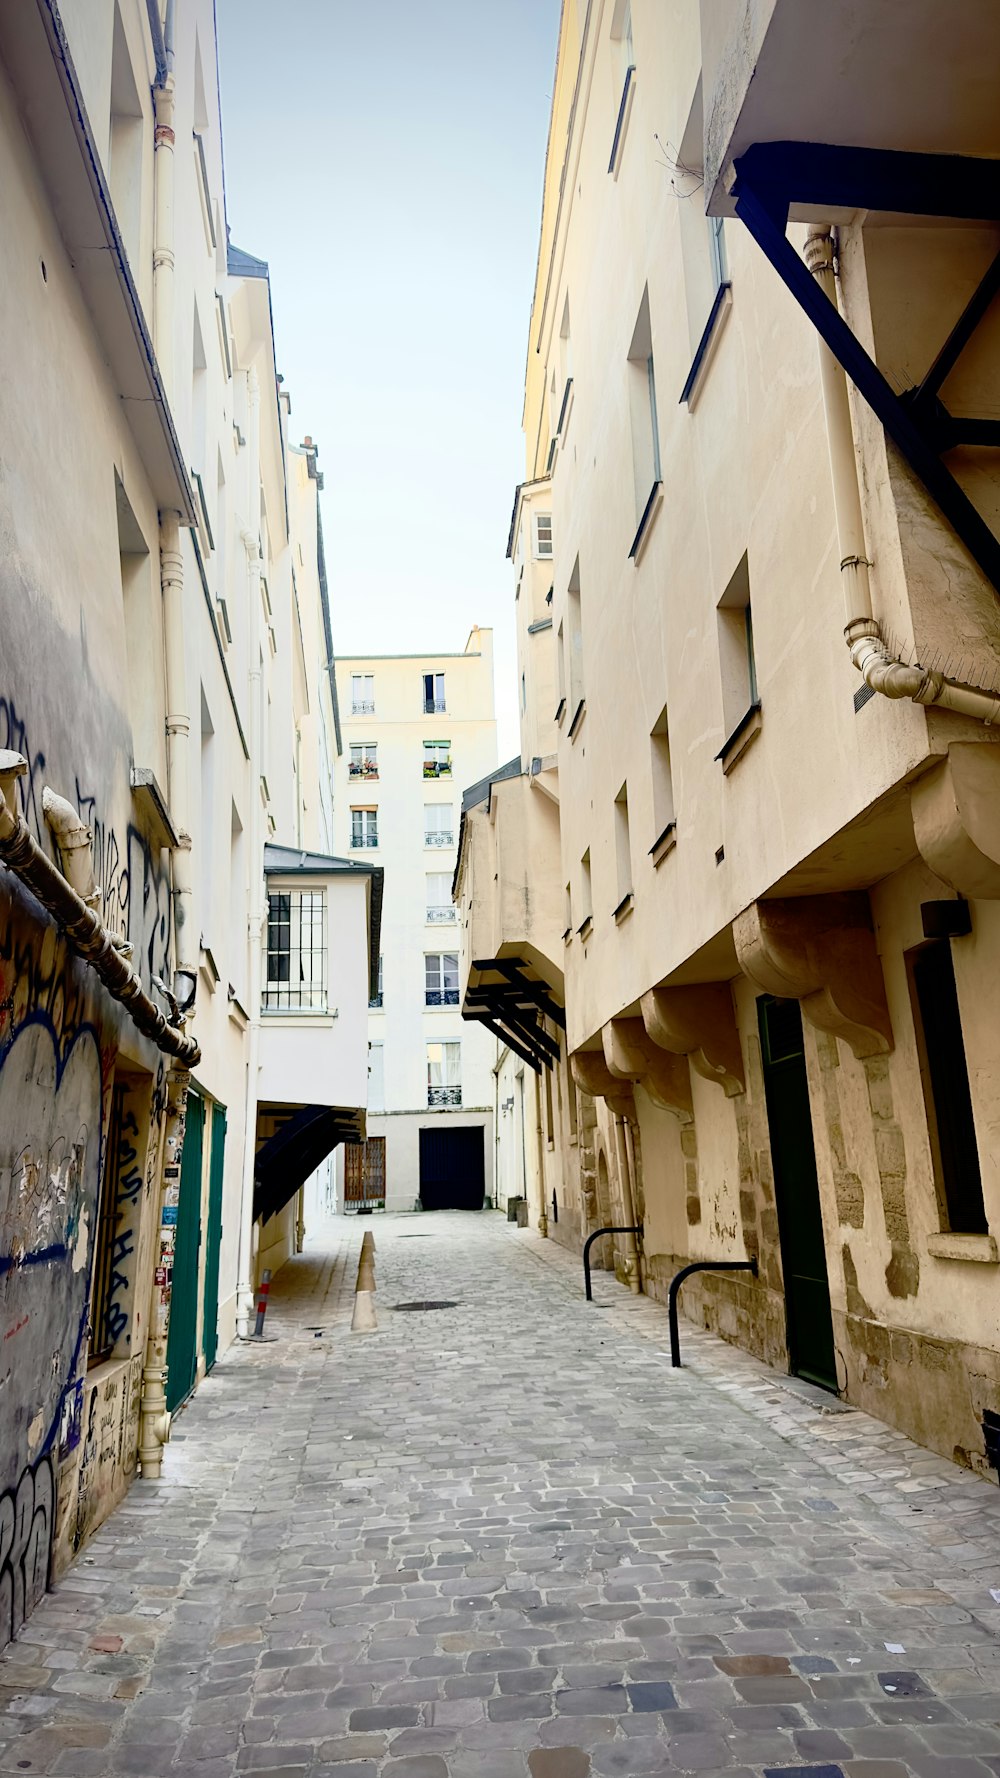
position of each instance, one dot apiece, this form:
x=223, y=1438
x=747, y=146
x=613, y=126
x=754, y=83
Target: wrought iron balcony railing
x=363, y=768
x=376, y=1001
x=439, y=839
x=441, y=997
x=441, y=916
x=439, y=1096
x=359, y=841
x=363, y=707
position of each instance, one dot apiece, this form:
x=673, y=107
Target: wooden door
x=364, y=1174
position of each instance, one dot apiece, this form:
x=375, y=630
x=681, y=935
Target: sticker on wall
x=71, y=1424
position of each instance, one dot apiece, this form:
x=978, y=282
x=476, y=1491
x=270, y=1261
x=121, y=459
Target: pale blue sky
x=386, y=159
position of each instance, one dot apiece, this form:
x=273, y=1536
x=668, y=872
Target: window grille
x=296, y=951
x=364, y=828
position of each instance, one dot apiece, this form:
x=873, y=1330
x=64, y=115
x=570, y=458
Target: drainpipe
x=878, y=668
x=543, y=1221
x=257, y=919
x=163, y=206
x=622, y=1141
x=178, y=760
x=154, y=1419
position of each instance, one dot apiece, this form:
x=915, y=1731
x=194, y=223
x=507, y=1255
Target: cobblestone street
x=504, y=1538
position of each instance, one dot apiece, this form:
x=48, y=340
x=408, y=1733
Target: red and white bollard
x=262, y=1296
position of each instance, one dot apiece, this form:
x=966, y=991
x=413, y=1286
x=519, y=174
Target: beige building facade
x=166, y=712
x=771, y=937
x=416, y=728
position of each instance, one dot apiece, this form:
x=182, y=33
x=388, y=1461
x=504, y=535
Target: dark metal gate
x=452, y=1168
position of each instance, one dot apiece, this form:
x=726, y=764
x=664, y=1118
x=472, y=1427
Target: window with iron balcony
x=362, y=694
x=441, y=909
x=441, y=979
x=434, y=704
x=439, y=825
x=364, y=760
x=364, y=829
x=444, y=1075
x=437, y=759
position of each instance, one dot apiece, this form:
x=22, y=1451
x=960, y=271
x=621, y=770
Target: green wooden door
x=182, y=1339
x=796, y=1190
x=213, y=1238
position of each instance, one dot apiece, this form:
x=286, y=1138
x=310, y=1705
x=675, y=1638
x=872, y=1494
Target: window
x=376, y=1000
x=434, y=694
x=439, y=825
x=645, y=425
x=623, y=64
x=364, y=828
x=623, y=849
x=573, y=665
x=125, y=145
x=736, y=655
x=363, y=760
x=444, y=1074
x=376, y=1077
x=437, y=759
x=238, y=895
x=441, y=979
x=296, y=951
x=663, y=786
x=945, y=1077
x=541, y=526
x=362, y=694
x=586, y=893
x=440, y=907
x=717, y=250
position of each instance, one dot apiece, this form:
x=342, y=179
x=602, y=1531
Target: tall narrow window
x=441, y=909
x=623, y=849
x=439, y=824
x=574, y=643
x=642, y=407
x=441, y=979
x=947, y=1098
x=663, y=784
x=542, y=529
x=717, y=250
x=125, y=145
x=586, y=893
x=364, y=829
x=296, y=951
x=737, y=660
x=434, y=704
x=362, y=694
x=444, y=1075
x=377, y=998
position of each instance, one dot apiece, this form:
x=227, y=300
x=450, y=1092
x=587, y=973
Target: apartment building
x=415, y=730
x=184, y=967
x=771, y=958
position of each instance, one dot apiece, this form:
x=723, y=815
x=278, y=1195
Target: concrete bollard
x=364, y=1319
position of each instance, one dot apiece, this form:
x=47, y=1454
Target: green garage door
x=182, y=1339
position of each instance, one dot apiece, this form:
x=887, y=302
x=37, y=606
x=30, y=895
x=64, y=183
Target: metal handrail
x=701, y=1265
x=588, y=1244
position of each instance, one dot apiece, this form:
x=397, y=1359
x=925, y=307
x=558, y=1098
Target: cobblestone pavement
x=504, y=1538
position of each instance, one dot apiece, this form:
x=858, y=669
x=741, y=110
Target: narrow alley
x=500, y=1537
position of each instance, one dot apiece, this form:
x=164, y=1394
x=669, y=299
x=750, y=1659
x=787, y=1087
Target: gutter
x=89, y=939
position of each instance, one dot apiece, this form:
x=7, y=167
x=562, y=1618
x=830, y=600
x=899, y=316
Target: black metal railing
x=701, y=1265
x=441, y=997
x=588, y=1244
x=440, y=1096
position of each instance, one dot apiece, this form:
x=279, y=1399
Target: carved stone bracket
x=592, y=1075
x=630, y=1055
x=699, y=1023
x=820, y=950
x=956, y=819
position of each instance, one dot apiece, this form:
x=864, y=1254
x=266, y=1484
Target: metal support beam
x=766, y=218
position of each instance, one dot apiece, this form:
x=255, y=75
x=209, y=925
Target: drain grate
x=420, y=1308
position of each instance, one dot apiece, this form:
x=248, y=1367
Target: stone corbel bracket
x=820, y=950
x=956, y=819
x=631, y=1056
x=592, y=1075
x=699, y=1023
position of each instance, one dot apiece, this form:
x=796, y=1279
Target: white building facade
x=416, y=729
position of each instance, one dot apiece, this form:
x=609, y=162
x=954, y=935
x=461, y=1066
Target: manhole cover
x=420, y=1308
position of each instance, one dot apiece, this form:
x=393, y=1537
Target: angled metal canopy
x=515, y=1009
x=770, y=177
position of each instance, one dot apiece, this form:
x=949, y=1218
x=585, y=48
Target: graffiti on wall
x=26, y=1521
